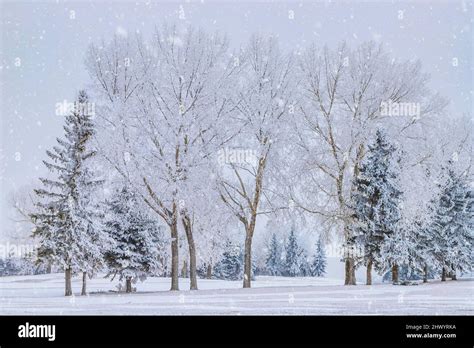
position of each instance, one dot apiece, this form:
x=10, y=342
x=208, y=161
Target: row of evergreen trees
x=21, y=265
x=293, y=260
x=441, y=244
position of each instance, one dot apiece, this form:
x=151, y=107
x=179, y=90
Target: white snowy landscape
x=259, y=158
x=43, y=295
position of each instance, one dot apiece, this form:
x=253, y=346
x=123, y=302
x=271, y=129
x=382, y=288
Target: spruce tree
x=230, y=267
x=273, y=261
x=398, y=252
x=134, y=252
x=318, y=266
x=376, y=206
x=423, y=243
x=295, y=261
x=453, y=225
x=305, y=264
x=66, y=219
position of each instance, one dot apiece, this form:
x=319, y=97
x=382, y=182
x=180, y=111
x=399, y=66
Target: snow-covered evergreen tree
x=423, y=259
x=295, y=258
x=134, y=253
x=318, y=265
x=398, y=252
x=273, y=262
x=376, y=206
x=230, y=267
x=305, y=264
x=453, y=224
x=66, y=220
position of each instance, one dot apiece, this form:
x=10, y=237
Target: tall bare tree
x=168, y=123
x=262, y=97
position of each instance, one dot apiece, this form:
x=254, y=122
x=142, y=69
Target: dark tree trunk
x=49, y=268
x=252, y=221
x=395, y=274
x=174, y=256
x=353, y=272
x=184, y=270
x=128, y=284
x=453, y=273
x=443, y=274
x=188, y=228
x=248, y=260
x=84, y=284
x=192, y=266
x=349, y=267
x=347, y=272
x=209, y=271
x=369, y=272
x=350, y=278
x=425, y=274
x=68, y=275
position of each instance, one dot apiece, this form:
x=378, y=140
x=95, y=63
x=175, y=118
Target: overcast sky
x=42, y=49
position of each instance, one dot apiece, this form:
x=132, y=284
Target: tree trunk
x=350, y=278
x=174, y=256
x=68, y=291
x=128, y=284
x=347, y=272
x=188, y=228
x=369, y=272
x=443, y=274
x=192, y=265
x=84, y=284
x=250, y=224
x=425, y=274
x=395, y=274
x=184, y=270
x=209, y=271
x=248, y=260
x=49, y=268
x=353, y=272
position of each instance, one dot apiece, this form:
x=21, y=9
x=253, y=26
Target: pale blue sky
x=51, y=46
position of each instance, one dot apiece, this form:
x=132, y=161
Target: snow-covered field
x=43, y=294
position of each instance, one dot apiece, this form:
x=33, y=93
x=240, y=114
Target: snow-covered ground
x=43, y=294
